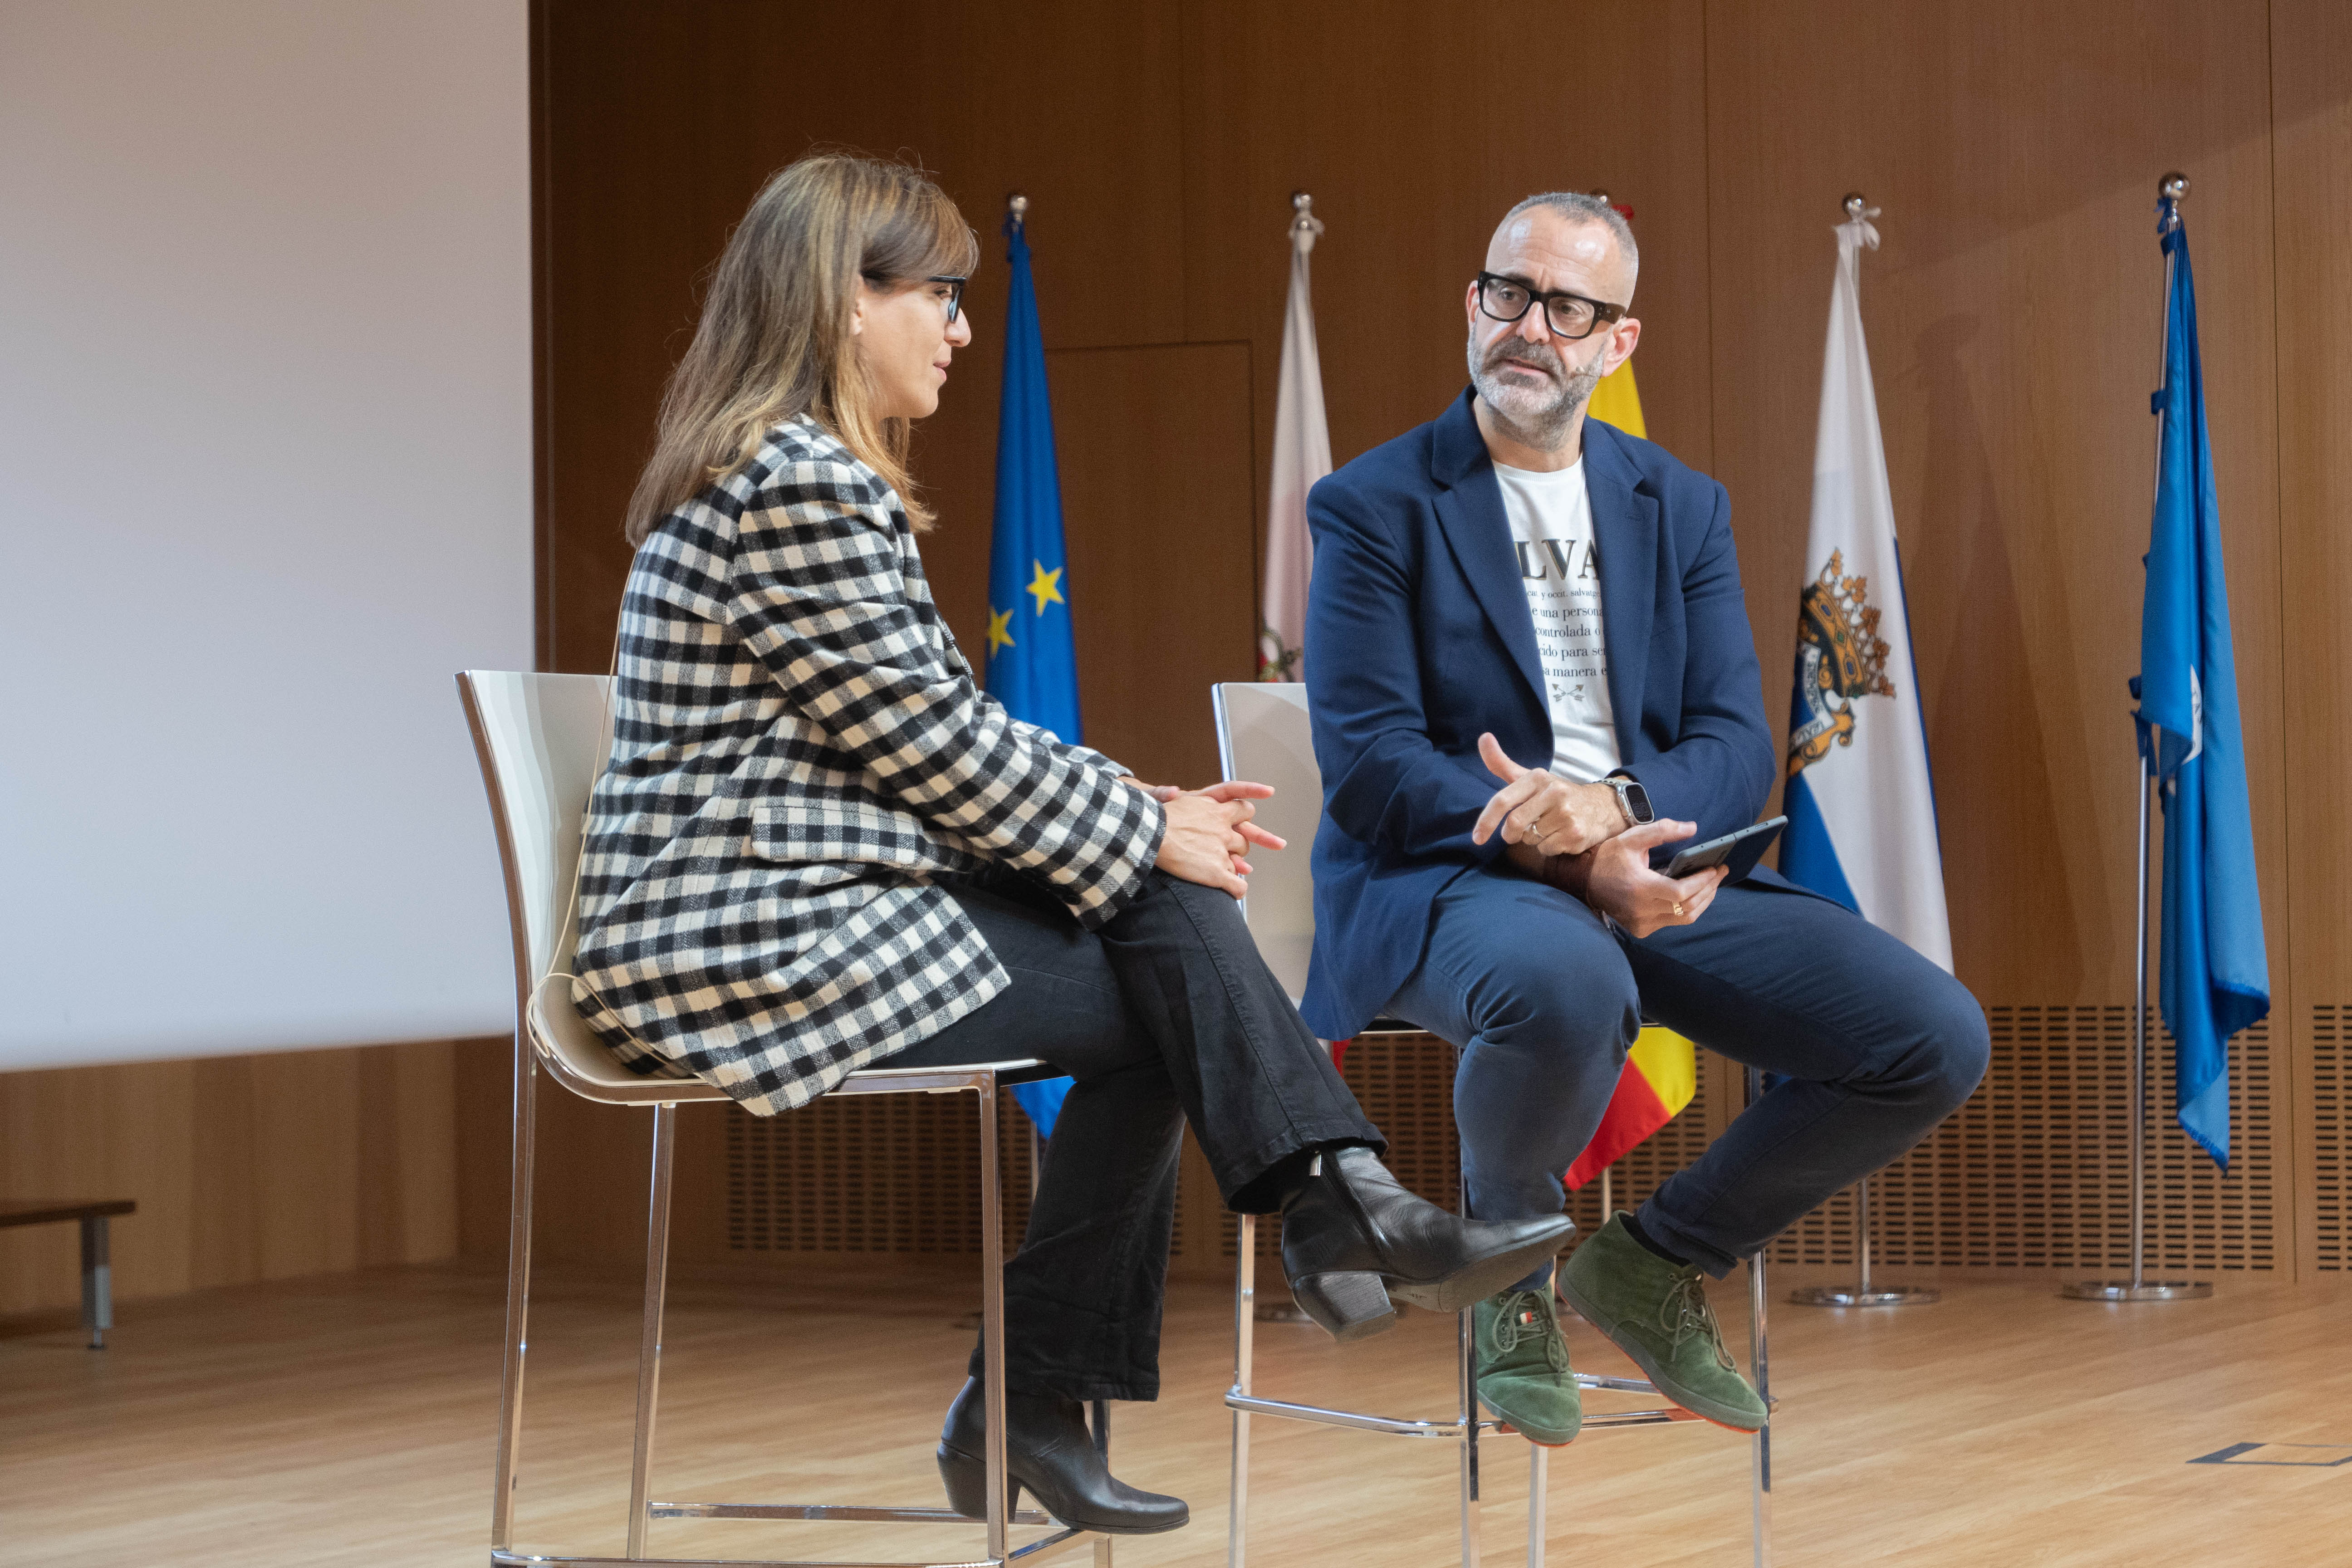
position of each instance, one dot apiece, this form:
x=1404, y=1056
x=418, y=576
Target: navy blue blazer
x=1419, y=638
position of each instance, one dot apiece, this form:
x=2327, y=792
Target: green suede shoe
x=1523, y=1373
x=1658, y=1314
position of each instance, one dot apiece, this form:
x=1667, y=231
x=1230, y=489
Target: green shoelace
x=1525, y=1315
x=1691, y=1313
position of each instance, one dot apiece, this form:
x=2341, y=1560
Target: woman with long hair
x=819, y=847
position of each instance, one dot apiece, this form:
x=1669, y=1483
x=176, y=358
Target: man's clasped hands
x=1578, y=838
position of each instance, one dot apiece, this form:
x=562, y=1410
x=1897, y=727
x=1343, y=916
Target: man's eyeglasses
x=955, y=291
x=1571, y=316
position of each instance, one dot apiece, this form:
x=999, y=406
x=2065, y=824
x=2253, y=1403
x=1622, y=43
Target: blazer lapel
x=1470, y=509
x=1625, y=531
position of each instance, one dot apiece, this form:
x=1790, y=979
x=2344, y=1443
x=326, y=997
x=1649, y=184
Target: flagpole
x=2168, y=194
x=1860, y=1294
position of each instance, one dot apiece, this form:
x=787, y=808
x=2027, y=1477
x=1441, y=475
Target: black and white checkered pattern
x=798, y=753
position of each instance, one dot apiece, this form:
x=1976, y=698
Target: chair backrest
x=542, y=740
x=1263, y=734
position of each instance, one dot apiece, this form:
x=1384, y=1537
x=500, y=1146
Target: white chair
x=541, y=741
x=1264, y=733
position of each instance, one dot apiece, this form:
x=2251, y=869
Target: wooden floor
x=348, y=1420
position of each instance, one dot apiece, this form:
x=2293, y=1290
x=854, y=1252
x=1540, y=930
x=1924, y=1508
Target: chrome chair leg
x=1244, y=1343
x=991, y=1320
x=1466, y=1338
x=1762, y=1479
x=1466, y=1363
x=1538, y=1500
x=649, y=1347
x=97, y=1280
x=526, y=1086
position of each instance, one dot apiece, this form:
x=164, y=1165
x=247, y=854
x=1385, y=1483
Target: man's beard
x=1540, y=415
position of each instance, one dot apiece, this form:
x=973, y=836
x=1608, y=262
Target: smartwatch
x=1632, y=798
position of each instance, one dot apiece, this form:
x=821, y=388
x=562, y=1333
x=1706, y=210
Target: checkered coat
x=800, y=755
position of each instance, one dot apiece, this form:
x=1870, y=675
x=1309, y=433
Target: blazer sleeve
x=817, y=594
x=1718, y=773
x=1385, y=783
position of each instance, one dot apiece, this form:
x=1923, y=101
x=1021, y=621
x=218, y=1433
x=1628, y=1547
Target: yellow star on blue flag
x=999, y=633
x=1042, y=587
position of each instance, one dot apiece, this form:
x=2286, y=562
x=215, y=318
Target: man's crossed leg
x=1871, y=1044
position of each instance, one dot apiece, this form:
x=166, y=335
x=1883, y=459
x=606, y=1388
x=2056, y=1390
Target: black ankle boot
x=1047, y=1449
x=1352, y=1237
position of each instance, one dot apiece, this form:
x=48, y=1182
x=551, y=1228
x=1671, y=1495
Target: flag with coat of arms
x=1032, y=659
x=1860, y=800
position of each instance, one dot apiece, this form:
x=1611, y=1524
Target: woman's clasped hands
x=1210, y=832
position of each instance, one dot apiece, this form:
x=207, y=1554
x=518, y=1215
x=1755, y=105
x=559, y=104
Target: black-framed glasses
x=955, y=290
x=1569, y=316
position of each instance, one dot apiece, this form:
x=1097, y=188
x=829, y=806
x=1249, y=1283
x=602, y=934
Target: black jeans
x=1165, y=1015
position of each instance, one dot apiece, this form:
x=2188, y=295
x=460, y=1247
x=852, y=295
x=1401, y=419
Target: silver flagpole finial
x=1855, y=204
x=2169, y=191
x=1304, y=225
x=1018, y=206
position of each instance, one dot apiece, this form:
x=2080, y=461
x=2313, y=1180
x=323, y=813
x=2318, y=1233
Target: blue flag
x=1032, y=660
x=2214, y=977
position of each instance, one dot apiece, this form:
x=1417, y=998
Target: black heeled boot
x=1047, y=1449
x=1352, y=1237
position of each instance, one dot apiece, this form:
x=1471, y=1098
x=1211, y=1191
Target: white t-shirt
x=1551, y=531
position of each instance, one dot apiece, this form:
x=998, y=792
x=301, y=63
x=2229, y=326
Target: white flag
x=1859, y=802
x=1302, y=455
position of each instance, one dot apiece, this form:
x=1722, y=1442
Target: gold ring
x=1678, y=909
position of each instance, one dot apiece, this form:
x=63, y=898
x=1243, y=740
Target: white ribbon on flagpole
x=1302, y=455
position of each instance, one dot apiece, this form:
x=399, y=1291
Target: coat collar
x=1625, y=528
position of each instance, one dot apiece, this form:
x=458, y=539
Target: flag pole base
x=2124, y=1291
x=1853, y=1296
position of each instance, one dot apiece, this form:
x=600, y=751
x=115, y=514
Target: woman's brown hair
x=774, y=340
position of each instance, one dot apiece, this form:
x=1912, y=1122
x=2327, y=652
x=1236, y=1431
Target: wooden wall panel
x=244, y=1168
x=2311, y=57
x=2013, y=316
x=1415, y=138
x=1164, y=569
x=659, y=124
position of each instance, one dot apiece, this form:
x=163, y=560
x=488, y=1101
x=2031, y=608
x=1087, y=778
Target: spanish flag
x=1662, y=1073
x=1616, y=402
x=1660, y=1077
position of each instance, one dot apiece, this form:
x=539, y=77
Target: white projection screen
x=265, y=485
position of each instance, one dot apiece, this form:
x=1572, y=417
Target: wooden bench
x=97, y=1285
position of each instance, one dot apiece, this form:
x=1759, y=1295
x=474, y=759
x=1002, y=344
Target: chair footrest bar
x=533, y=1559
x=1394, y=1426
x=1053, y=1545
x=1616, y=1384
x=1600, y=1420
x=1035, y=1551
x=857, y=1513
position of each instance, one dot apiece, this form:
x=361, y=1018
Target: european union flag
x=1033, y=662
x=2214, y=976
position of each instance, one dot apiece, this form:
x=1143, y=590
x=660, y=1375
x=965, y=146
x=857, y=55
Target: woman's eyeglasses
x=955, y=300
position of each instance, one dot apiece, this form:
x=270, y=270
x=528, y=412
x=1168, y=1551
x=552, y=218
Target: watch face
x=1637, y=801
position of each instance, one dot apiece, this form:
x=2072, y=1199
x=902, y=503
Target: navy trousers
x=1873, y=1046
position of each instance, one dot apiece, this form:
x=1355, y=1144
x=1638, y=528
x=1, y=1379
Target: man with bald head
x=1532, y=675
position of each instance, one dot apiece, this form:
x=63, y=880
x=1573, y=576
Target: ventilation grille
x=870, y=1173
x=2035, y=1170
x=2327, y=1086
x=1405, y=1084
